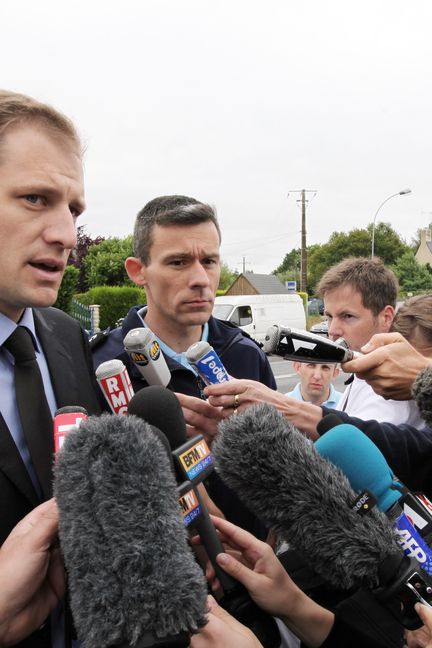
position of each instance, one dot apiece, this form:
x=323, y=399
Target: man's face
x=182, y=275
x=348, y=318
x=41, y=196
x=315, y=380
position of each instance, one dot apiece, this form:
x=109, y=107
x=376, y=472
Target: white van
x=256, y=313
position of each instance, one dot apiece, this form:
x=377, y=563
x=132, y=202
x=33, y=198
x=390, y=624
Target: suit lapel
x=58, y=357
x=13, y=466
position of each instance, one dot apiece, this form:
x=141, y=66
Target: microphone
x=66, y=419
x=115, y=384
x=368, y=471
x=144, y=351
x=207, y=363
x=303, y=346
x=193, y=462
x=132, y=576
x=310, y=503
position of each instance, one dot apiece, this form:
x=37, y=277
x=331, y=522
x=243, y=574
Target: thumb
x=381, y=339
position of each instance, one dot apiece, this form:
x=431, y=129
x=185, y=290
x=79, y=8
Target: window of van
x=242, y=316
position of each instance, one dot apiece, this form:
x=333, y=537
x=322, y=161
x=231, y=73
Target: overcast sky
x=238, y=103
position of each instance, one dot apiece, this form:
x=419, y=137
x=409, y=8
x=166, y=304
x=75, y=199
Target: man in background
x=360, y=300
x=315, y=384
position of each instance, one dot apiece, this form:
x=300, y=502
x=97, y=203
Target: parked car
x=315, y=306
x=321, y=328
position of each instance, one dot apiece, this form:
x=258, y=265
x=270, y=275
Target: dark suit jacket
x=66, y=349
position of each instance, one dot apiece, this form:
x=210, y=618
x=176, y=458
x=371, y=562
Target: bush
x=114, y=301
x=67, y=289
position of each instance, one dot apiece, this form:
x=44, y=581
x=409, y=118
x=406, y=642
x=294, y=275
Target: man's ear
x=296, y=366
x=387, y=315
x=136, y=270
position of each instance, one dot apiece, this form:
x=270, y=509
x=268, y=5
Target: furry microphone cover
x=278, y=474
x=130, y=569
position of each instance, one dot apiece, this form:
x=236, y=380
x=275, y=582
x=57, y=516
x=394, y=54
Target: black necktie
x=33, y=408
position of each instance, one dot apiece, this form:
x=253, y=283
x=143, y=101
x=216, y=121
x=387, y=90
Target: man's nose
x=334, y=330
x=199, y=276
x=61, y=229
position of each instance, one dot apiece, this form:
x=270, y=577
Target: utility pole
x=244, y=264
x=303, y=250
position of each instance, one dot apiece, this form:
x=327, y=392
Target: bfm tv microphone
x=310, y=504
x=193, y=462
x=66, y=419
x=368, y=472
x=145, y=352
x=133, y=579
x=303, y=346
x=207, y=363
x=115, y=384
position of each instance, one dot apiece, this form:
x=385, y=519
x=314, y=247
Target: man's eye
x=32, y=198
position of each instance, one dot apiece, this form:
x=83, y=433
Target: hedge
x=114, y=301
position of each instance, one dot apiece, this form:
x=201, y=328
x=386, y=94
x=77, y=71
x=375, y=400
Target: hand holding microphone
x=260, y=571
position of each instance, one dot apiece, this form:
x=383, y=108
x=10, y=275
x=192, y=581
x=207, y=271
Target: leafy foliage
x=357, y=242
x=412, y=276
x=114, y=301
x=104, y=264
x=80, y=252
x=227, y=277
x=68, y=288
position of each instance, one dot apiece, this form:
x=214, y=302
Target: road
x=286, y=377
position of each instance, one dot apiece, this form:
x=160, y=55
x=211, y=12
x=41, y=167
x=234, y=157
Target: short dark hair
x=168, y=210
x=18, y=109
x=415, y=314
x=376, y=284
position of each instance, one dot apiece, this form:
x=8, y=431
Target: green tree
x=104, y=263
x=412, y=276
x=388, y=246
x=68, y=288
x=227, y=276
x=80, y=252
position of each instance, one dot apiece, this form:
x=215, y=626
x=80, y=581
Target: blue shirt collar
x=8, y=326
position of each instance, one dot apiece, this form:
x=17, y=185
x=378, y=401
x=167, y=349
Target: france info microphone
x=368, y=472
x=66, y=419
x=309, y=502
x=207, y=363
x=132, y=577
x=115, y=384
x=193, y=462
x=145, y=352
x=303, y=346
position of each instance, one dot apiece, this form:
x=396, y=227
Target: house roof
x=265, y=284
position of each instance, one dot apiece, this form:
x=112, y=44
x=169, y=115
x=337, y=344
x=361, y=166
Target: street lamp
x=399, y=193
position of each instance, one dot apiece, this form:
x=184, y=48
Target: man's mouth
x=48, y=265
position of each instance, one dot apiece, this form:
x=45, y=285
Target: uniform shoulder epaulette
x=99, y=338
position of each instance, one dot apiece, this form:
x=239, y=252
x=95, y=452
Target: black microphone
x=132, y=577
x=303, y=346
x=194, y=461
x=309, y=502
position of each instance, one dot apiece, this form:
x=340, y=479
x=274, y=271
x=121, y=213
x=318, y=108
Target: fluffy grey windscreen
x=130, y=568
x=278, y=474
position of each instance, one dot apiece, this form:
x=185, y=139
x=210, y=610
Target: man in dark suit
x=41, y=197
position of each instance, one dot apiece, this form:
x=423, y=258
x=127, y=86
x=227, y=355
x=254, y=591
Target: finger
x=39, y=527
x=382, y=339
x=425, y=614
